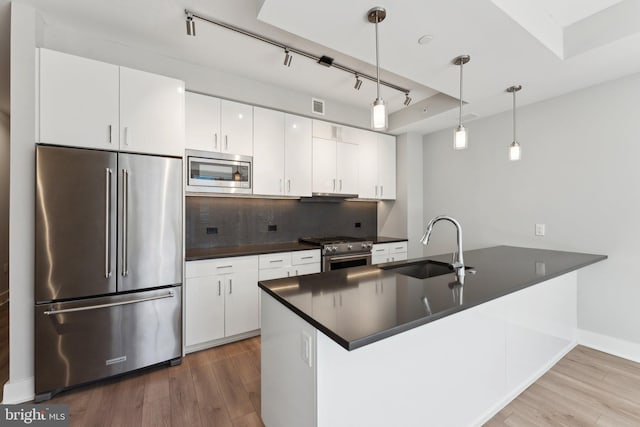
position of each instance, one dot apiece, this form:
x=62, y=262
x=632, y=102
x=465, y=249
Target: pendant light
x=460, y=136
x=515, y=151
x=379, y=114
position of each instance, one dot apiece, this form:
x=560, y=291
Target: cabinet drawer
x=399, y=247
x=277, y=260
x=305, y=257
x=379, y=250
x=211, y=267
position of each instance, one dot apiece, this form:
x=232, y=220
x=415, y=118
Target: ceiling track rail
x=286, y=48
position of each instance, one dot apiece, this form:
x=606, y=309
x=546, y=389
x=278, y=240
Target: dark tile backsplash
x=219, y=221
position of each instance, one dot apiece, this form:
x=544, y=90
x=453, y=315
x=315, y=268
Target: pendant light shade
x=460, y=135
x=515, y=151
x=379, y=114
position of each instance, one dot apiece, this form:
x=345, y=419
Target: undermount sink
x=421, y=269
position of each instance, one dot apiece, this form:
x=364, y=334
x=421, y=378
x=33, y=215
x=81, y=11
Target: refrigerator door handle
x=107, y=224
x=171, y=294
x=125, y=222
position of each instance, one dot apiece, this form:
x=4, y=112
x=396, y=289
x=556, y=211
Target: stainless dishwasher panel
x=150, y=221
x=86, y=340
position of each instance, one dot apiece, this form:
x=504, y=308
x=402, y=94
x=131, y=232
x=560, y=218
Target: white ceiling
x=504, y=49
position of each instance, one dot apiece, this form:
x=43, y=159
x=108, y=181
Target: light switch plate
x=540, y=229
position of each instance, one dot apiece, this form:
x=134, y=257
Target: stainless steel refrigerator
x=108, y=265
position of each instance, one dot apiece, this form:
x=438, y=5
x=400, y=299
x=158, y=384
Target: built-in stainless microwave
x=209, y=172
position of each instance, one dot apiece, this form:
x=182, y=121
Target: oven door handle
x=346, y=257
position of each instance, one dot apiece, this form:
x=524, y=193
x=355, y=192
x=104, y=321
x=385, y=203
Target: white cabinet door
x=236, y=122
x=387, y=166
x=347, y=168
x=298, y=156
x=268, y=152
x=299, y=270
x=202, y=122
x=204, y=309
x=78, y=101
x=151, y=113
x=325, y=130
x=368, y=167
x=324, y=166
x=242, y=302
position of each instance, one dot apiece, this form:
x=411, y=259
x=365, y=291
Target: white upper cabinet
x=387, y=166
x=78, y=101
x=151, y=113
x=377, y=172
x=236, y=124
x=281, y=154
x=335, y=160
x=202, y=119
x=297, y=152
x=87, y=103
x=268, y=152
x=218, y=125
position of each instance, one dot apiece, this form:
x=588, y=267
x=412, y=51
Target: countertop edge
x=370, y=339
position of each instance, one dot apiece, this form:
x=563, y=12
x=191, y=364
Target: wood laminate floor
x=220, y=387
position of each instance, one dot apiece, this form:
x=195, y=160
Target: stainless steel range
x=342, y=251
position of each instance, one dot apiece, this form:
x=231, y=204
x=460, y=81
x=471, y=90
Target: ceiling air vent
x=317, y=106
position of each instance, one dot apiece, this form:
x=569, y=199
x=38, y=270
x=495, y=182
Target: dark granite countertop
x=362, y=305
x=385, y=239
x=242, y=250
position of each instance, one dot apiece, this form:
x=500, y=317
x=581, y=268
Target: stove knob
x=349, y=247
x=335, y=249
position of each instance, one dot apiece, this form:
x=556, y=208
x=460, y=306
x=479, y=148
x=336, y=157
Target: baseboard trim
x=18, y=391
x=622, y=348
x=516, y=391
x=221, y=341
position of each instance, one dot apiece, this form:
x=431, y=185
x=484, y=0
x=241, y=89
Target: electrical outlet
x=358, y=225
x=540, y=229
x=272, y=227
x=212, y=230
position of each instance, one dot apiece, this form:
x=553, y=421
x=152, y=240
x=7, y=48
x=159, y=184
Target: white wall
x=579, y=175
x=403, y=217
x=4, y=204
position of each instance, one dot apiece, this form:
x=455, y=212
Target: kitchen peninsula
x=371, y=346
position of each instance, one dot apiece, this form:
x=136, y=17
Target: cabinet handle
x=219, y=288
x=288, y=274
x=288, y=186
x=296, y=272
x=126, y=135
x=215, y=140
x=376, y=191
x=230, y=286
x=381, y=190
x=226, y=142
x=334, y=184
x=340, y=181
x=280, y=186
x=307, y=257
x=110, y=127
x=225, y=266
x=277, y=260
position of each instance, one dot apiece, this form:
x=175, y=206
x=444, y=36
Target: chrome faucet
x=457, y=262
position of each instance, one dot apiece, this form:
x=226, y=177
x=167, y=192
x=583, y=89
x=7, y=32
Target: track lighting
x=379, y=113
x=287, y=58
x=191, y=25
x=460, y=136
x=358, y=83
x=515, y=151
x=407, y=99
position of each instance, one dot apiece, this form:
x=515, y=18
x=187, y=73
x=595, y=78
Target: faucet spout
x=458, y=258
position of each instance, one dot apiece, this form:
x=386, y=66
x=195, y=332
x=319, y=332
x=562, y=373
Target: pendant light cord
x=514, y=116
x=460, y=120
x=377, y=60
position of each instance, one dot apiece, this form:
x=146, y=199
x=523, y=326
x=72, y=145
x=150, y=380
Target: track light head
x=287, y=58
x=358, y=83
x=191, y=25
x=407, y=99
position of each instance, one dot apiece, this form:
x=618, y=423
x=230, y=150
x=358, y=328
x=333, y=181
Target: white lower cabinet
x=288, y=264
x=221, y=299
x=388, y=252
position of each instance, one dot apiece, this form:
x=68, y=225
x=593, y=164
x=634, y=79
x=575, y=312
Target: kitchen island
x=369, y=346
